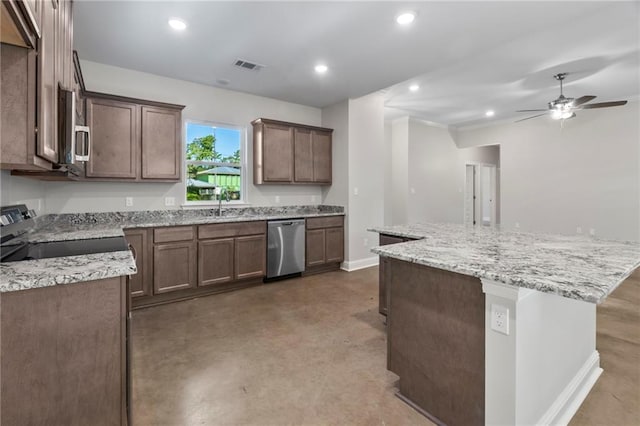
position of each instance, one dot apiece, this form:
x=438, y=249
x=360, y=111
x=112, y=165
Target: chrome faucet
x=226, y=197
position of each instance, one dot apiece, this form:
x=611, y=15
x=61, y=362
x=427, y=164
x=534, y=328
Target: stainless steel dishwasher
x=285, y=248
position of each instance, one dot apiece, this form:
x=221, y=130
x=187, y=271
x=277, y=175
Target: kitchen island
x=495, y=327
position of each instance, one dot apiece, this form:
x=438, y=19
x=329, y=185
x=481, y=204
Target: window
x=214, y=159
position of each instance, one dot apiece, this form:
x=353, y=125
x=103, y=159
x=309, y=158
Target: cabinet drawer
x=222, y=230
x=173, y=233
x=325, y=222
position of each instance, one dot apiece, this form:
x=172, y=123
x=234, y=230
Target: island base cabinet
x=436, y=341
x=63, y=354
x=383, y=276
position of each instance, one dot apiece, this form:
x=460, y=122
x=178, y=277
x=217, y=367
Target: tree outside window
x=213, y=159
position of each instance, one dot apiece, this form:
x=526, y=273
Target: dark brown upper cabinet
x=161, y=147
x=30, y=80
x=114, y=139
x=21, y=22
x=289, y=153
x=133, y=139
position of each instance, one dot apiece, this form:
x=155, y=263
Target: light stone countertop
x=28, y=274
x=577, y=267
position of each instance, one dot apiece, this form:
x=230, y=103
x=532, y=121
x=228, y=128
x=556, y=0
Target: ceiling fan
x=563, y=108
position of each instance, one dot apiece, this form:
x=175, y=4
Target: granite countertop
x=64, y=227
x=577, y=267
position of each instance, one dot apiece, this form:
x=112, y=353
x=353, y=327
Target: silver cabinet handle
x=85, y=157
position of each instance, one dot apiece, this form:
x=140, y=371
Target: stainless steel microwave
x=75, y=140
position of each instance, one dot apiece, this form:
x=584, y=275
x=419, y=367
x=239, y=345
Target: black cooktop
x=29, y=251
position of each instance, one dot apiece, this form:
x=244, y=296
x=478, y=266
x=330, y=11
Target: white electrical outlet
x=592, y=232
x=169, y=201
x=277, y=198
x=500, y=319
x=578, y=230
x=413, y=190
x=517, y=225
x=128, y=201
x=366, y=242
x=313, y=199
x=355, y=191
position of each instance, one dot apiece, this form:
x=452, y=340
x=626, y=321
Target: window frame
x=243, y=163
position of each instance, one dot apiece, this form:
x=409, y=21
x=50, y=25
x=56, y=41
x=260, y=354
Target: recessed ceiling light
x=490, y=113
x=321, y=68
x=177, y=24
x=405, y=18
x=414, y=87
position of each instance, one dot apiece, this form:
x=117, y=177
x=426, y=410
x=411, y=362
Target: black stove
x=44, y=250
x=17, y=220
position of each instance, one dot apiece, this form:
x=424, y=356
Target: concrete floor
x=312, y=351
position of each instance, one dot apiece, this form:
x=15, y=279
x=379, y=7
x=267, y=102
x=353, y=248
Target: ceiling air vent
x=251, y=66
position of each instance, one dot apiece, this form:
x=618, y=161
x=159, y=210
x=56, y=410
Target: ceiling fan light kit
x=564, y=108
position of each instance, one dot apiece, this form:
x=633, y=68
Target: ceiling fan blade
x=531, y=110
x=603, y=105
x=529, y=118
x=582, y=100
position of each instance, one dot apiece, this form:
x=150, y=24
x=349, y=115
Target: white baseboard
x=570, y=399
x=354, y=265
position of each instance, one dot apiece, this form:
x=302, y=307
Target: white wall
x=19, y=190
x=366, y=176
x=399, y=160
x=429, y=172
x=336, y=117
x=585, y=174
x=202, y=103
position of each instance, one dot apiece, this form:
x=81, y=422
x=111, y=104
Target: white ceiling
x=467, y=57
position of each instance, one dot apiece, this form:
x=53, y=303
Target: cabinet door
x=161, y=147
x=321, y=157
x=140, y=283
x=250, y=256
x=47, y=98
x=303, y=155
x=215, y=261
x=114, y=138
x=334, y=240
x=277, y=153
x=315, y=243
x=174, y=267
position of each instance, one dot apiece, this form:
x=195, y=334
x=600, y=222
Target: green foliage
x=235, y=158
x=203, y=149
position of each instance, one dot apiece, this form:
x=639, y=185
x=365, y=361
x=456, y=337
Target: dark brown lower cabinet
x=215, y=261
x=190, y=261
x=250, y=257
x=140, y=283
x=174, y=266
x=315, y=253
x=63, y=354
x=324, y=242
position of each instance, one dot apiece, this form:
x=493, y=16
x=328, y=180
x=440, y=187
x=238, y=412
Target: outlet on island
x=500, y=319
